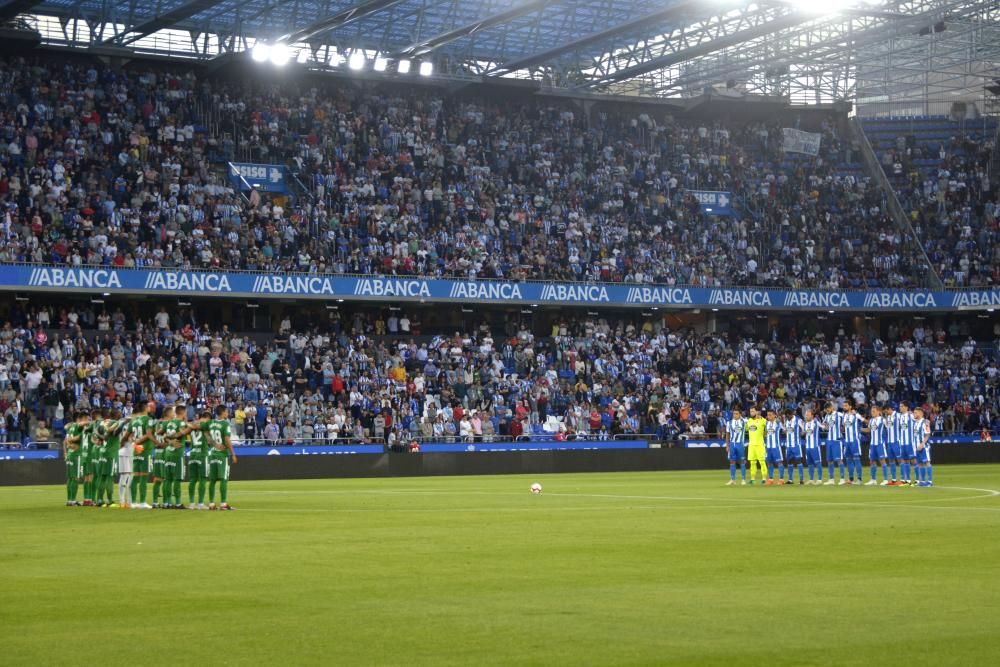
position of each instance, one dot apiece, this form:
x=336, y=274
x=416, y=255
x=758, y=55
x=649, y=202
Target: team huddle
x=898, y=440
x=103, y=447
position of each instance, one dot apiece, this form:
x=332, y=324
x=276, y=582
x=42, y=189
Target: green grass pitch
x=666, y=568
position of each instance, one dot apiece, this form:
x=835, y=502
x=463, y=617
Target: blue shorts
x=813, y=456
x=877, y=453
x=773, y=455
x=907, y=452
x=894, y=453
x=852, y=450
x=737, y=452
x=834, y=450
x=924, y=455
x=794, y=453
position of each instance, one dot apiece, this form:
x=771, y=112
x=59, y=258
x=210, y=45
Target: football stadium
x=500, y=332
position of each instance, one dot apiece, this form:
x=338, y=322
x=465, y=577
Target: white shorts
x=124, y=462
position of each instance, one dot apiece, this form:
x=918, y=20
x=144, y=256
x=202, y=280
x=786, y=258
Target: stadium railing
x=30, y=444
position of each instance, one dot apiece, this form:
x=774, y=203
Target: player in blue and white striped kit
x=736, y=435
x=877, y=451
x=852, y=443
x=889, y=418
x=792, y=428
x=833, y=424
x=907, y=452
x=814, y=459
x=772, y=449
x=921, y=442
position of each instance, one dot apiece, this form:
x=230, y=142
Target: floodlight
x=357, y=60
x=380, y=64
x=426, y=68
x=403, y=67
x=280, y=55
x=261, y=52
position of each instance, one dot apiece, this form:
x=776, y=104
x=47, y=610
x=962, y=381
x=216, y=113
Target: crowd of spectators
x=124, y=168
x=945, y=186
x=587, y=377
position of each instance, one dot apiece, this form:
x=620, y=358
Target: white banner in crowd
x=797, y=141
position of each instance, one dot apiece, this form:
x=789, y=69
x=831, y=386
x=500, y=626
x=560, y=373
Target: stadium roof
x=810, y=50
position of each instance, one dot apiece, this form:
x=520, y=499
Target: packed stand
x=119, y=168
x=940, y=170
x=363, y=378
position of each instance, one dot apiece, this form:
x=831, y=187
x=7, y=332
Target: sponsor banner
x=264, y=177
x=305, y=450
x=797, y=141
x=91, y=280
x=713, y=202
x=957, y=439
x=28, y=454
x=530, y=446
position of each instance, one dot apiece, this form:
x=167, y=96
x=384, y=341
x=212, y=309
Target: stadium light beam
x=261, y=52
x=403, y=67
x=426, y=68
x=280, y=54
x=356, y=61
x=380, y=64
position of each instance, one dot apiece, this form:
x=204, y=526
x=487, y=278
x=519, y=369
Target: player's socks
x=842, y=472
x=781, y=472
x=142, y=488
x=929, y=474
x=831, y=470
x=177, y=491
x=743, y=471
x=157, y=488
x=224, y=490
x=893, y=467
x=904, y=472
x=211, y=492
x=802, y=473
x=874, y=468
x=732, y=472
x=71, y=489
x=191, y=486
x=201, y=492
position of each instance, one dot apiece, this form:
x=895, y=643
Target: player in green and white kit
x=74, y=456
x=139, y=431
x=197, y=463
x=103, y=463
x=160, y=459
x=219, y=456
x=173, y=458
x=110, y=432
x=88, y=458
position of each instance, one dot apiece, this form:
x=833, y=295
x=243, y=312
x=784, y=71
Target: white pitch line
x=916, y=503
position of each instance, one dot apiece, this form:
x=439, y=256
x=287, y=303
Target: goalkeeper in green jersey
x=73, y=456
x=139, y=432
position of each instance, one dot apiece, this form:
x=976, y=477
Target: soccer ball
x=536, y=488
x=139, y=449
